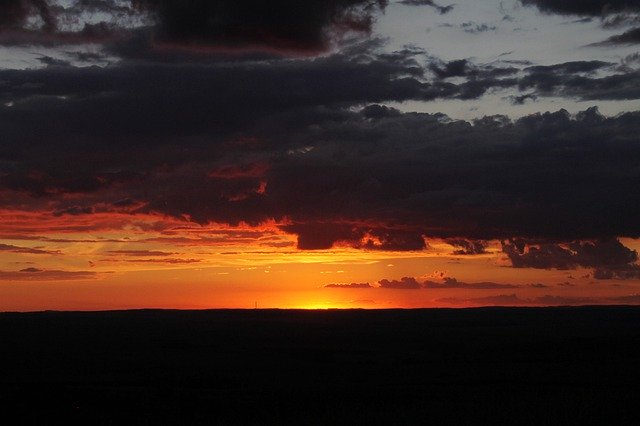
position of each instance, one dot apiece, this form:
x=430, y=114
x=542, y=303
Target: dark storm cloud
x=584, y=7
x=283, y=24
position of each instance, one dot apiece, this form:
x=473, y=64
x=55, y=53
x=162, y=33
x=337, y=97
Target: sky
x=318, y=154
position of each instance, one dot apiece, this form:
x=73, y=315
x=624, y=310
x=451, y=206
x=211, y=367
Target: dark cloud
x=200, y=24
x=633, y=299
x=347, y=286
x=282, y=24
x=14, y=13
x=609, y=258
x=442, y=9
x=578, y=80
x=549, y=300
x=450, y=282
x=24, y=250
x=631, y=36
x=522, y=99
x=168, y=261
x=498, y=300
x=314, y=236
x=467, y=247
x=410, y=283
x=584, y=7
x=546, y=300
x=140, y=252
x=406, y=283
x=35, y=274
x=53, y=62
x=475, y=28
x=74, y=211
x=622, y=272
x=457, y=68
x=538, y=285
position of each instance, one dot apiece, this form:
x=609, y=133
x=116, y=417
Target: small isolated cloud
x=346, y=286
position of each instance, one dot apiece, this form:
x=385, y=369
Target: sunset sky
x=318, y=154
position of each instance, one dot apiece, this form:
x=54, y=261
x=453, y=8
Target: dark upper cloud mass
x=255, y=143
x=308, y=141
x=584, y=7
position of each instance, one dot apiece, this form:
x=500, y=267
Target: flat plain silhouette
x=511, y=365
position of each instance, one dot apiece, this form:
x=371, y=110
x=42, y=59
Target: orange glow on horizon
x=108, y=260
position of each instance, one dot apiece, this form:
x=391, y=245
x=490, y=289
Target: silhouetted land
x=522, y=365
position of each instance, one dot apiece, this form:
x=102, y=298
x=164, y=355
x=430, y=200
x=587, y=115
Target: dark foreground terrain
x=511, y=366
